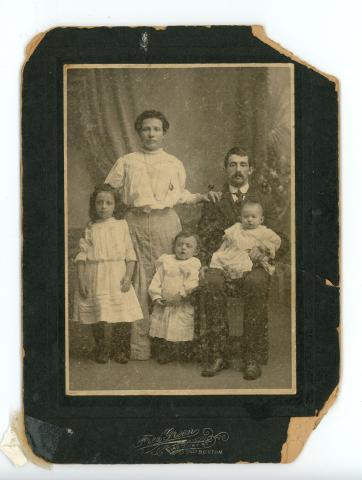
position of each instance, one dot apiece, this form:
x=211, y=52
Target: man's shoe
x=211, y=369
x=262, y=357
x=252, y=370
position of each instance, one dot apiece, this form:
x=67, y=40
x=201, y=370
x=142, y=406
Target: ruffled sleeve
x=155, y=288
x=84, y=245
x=272, y=241
x=232, y=234
x=186, y=197
x=161, y=260
x=115, y=178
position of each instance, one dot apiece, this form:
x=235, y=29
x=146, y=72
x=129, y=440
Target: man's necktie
x=240, y=196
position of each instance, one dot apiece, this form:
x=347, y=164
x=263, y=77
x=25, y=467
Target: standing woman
x=151, y=183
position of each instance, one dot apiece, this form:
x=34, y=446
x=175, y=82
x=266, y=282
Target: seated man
x=253, y=287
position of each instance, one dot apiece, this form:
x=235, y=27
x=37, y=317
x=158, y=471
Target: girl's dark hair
x=151, y=114
x=186, y=234
x=105, y=187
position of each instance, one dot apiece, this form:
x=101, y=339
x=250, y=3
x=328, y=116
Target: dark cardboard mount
x=64, y=429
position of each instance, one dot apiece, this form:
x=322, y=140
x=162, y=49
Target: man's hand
x=125, y=284
x=256, y=255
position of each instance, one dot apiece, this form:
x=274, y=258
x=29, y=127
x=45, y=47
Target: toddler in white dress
x=241, y=239
x=172, y=318
x=105, y=266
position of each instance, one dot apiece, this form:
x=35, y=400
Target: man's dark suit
x=253, y=288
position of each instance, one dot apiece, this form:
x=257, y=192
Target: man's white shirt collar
x=242, y=189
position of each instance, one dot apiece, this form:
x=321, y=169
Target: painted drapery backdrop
x=210, y=110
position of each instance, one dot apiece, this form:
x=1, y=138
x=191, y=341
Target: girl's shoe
x=102, y=355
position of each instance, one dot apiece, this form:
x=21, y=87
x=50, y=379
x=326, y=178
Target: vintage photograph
x=179, y=231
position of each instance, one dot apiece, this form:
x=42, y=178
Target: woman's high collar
x=152, y=152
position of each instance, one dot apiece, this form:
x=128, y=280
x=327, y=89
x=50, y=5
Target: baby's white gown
x=174, y=281
x=233, y=255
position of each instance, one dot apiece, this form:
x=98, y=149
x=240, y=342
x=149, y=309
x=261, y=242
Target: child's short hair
x=185, y=234
x=119, y=208
x=249, y=203
x=151, y=114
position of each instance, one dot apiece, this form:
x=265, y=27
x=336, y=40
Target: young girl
x=241, y=238
x=172, y=319
x=105, y=267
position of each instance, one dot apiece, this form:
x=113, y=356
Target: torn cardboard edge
x=300, y=428
x=16, y=447
x=11, y=448
x=257, y=30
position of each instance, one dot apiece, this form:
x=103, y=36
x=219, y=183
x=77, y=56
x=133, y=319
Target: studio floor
x=85, y=375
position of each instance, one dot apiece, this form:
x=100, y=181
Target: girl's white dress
x=233, y=255
x=105, y=248
x=173, y=281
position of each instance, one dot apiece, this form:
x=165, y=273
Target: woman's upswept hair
x=105, y=187
x=151, y=114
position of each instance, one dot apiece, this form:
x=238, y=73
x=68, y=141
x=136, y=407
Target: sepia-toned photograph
x=179, y=229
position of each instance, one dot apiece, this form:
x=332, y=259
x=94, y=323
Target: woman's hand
x=211, y=196
x=125, y=284
x=214, y=197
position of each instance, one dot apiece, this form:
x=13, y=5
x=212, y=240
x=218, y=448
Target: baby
x=172, y=319
x=249, y=236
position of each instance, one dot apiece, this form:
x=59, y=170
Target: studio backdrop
x=210, y=110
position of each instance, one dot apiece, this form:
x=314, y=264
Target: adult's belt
x=145, y=210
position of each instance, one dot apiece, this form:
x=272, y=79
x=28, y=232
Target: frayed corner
x=300, y=428
x=14, y=445
x=259, y=32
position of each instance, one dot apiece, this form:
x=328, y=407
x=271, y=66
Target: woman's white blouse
x=155, y=180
